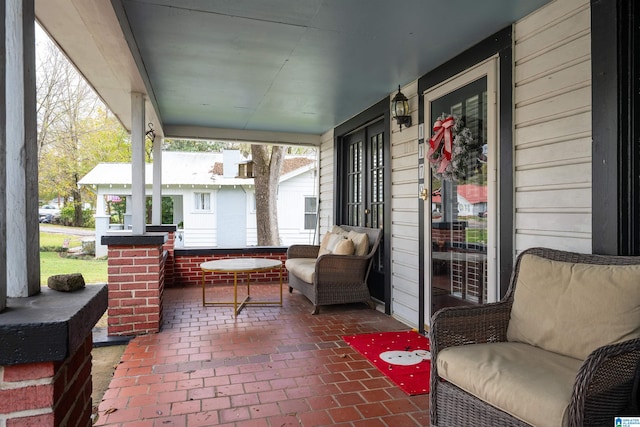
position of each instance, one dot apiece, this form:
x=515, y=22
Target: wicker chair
x=338, y=279
x=606, y=384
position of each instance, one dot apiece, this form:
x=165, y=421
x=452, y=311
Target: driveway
x=72, y=231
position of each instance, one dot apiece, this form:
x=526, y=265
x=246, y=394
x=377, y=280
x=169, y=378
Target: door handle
x=424, y=194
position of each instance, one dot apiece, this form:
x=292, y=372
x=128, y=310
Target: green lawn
x=56, y=240
x=52, y=263
x=476, y=235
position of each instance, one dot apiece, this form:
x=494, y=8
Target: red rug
x=404, y=357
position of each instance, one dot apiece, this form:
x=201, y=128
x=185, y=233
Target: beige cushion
x=323, y=245
x=340, y=231
x=344, y=247
x=329, y=242
x=572, y=309
x=527, y=382
x=303, y=268
x=361, y=242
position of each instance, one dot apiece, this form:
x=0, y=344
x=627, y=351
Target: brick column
x=45, y=357
x=169, y=264
x=48, y=393
x=136, y=283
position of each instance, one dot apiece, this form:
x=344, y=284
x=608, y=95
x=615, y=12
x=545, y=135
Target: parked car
x=48, y=214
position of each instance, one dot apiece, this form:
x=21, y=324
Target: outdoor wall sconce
x=400, y=109
x=151, y=133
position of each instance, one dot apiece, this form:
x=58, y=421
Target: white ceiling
x=288, y=69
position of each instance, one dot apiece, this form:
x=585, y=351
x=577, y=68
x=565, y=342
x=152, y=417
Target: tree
x=75, y=131
x=192, y=145
x=267, y=164
x=73, y=154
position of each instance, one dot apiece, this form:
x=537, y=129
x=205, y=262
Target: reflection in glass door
x=460, y=207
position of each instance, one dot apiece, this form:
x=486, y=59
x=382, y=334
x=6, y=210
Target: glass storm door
x=364, y=190
x=460, y=210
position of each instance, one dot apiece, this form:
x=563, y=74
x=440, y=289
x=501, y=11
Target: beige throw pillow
x=329, y=242
x=340, y=231
x=344, y=247
x=361, y=242
x=323, y=245
x=572, y=309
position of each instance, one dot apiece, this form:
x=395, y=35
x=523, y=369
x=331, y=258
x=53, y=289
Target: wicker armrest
x=303, y=251
x=606, y=380
x=343, y=269
x=469, y=325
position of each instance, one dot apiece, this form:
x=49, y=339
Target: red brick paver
x=271, y=366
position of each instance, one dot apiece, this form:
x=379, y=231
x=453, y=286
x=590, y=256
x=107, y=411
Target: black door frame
x=615, y=106
x=499, y=44
x=378, y=111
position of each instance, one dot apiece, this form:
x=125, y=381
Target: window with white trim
x=310, y=212
x=202, y=202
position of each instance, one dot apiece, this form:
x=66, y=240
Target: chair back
x=565, y=256
x=374, y=235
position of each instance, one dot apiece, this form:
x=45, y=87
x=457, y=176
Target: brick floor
x=269, y=367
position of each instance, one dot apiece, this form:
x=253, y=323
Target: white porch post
x=3, y=166
x=138, y=220
x=156, y=210
x=100, y=205
x=22, y=227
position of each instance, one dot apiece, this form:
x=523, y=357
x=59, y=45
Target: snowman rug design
x=403, y=357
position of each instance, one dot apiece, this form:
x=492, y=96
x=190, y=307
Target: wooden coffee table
x=237, y=266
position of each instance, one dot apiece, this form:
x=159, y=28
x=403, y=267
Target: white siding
x=291, y=195
x=252, y=227
x=199, y=226
x=326, y=200
x=404, y=215
x=552, y=119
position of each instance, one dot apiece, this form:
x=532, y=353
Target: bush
x=67, y=215
x=88, y=220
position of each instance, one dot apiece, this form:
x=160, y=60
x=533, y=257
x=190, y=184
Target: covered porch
x=561, y=157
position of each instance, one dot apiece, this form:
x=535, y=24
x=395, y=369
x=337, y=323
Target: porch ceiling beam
x=220, y=134
x=101, y=52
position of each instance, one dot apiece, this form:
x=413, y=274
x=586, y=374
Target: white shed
x=212, y=204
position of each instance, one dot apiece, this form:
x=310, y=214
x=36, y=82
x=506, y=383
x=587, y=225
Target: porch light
x=151, y=133
x=400, y=109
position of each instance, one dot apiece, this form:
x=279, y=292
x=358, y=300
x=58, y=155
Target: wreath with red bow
x=453, y=152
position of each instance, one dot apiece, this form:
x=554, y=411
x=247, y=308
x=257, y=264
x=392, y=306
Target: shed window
x=310, y=212
x=202, y=201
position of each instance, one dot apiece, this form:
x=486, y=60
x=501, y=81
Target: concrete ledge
x=49, y=326
x=101, y=338
x=230, y=251
x=165, y=228
x=128, y=239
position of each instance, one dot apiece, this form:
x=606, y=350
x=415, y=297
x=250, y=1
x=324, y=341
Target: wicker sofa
x=562, y=348
x=326, y=277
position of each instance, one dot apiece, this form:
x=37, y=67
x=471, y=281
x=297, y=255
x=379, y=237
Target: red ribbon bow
x=442, y=131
